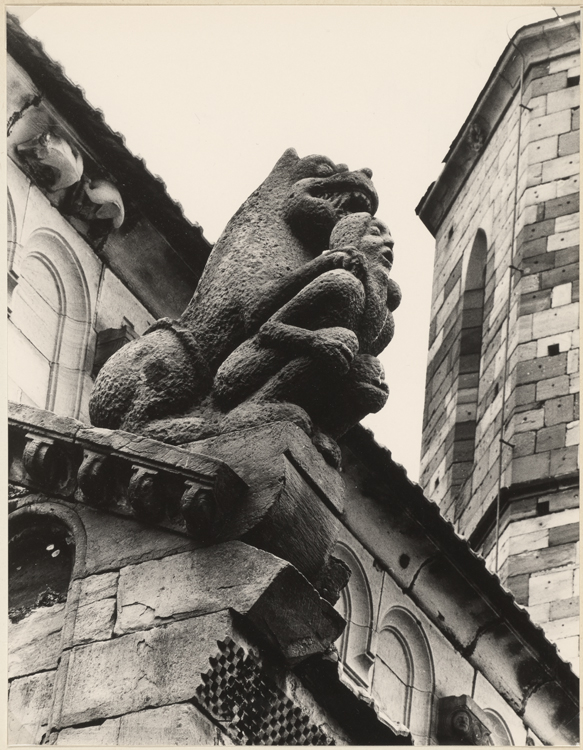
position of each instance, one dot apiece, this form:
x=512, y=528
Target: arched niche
x=355, y=605
x=404, y=679
x=470, y=354
x=47, y=545
x=49, y=325
x=500, y=736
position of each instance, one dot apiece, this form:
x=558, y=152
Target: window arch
x=355, y=605
x=500, y=736
x=49, y=326
x=404, y=674
x=470, y=352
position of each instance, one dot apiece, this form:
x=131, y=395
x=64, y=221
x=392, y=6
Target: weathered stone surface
x=106, y=733
x=317, y=309
x=125, y=541
x=94, y=621
x=275, y=597
x=193, y=583
x=152, y=668
x=34, y=643
x=170, y=725
x=29, y=703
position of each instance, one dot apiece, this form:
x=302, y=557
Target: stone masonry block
x=148, y=669
x=535, y=302
x=575, y=118
x=529, y=420
x=560, y=168
x=547, y=83
x=538, y=263
x=563, y=240
x=29, y=703
x=559, y=410
x=567, y=185
x=553, y=124
x=541, y=368
x=524, y=443
x=552, y=388
x=106, y=733
x=559, y=276
x=536, y=561
x=555, y=320
x=564, y=63
x=567, y=222
x=565, y=534
x=564, y=608
x=538, y=539
x=550, y=438
x=572, y=436
x=527, y=468
x=564, y=204
x=569, y=143
x=563, y=628
x=564, y=460
x=534, y=247
x=537, y=230
x=566, y=98
x=34, y=643
x=543, y=149
x=233, y=575
x=181, y=724
x=94, y=621
x=518, y=585
x=561, y=295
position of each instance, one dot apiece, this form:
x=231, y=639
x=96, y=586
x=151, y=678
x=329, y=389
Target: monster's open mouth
x=347, y=202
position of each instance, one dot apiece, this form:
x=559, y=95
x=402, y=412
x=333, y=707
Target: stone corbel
x=48, y=465
x=96, y=478
x=52, y=161
x=144, y=494
x=200, y=511
x=462, y=722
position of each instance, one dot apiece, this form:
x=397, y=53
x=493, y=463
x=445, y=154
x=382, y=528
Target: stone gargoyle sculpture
x=294, y=305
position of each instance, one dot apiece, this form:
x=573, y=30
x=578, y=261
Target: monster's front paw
x=338, y=346
x=350, y=259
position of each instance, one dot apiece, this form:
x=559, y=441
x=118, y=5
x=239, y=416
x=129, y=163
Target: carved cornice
x=115, y=470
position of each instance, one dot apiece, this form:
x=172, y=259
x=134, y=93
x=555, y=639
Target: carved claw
x=337, y=345
x=350, y=259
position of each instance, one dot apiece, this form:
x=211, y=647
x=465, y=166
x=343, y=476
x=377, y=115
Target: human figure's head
x=369, y=235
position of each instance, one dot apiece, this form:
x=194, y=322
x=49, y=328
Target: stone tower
x=501, y=430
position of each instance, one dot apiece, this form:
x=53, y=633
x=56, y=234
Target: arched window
x=49, y=327
x=41, y=561
x=500, y=736
x=355, y=605
x=469, y=363
x=403, y=680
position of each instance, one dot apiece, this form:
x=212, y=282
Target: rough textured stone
x=141, y=670
x=106, y=733
x=236, y=576
x=34, y=643
x=29, y=703
x=276, y=241
x=170, y=725
x=94, y=621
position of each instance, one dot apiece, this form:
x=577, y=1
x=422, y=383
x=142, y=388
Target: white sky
x=212, y=96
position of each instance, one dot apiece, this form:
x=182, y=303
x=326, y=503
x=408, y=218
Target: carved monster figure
x=272, y=249
x=287, y=363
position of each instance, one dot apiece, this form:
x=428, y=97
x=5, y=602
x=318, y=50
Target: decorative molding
x=135, y=476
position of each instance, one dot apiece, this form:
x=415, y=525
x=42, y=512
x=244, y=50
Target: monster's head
x=319, y=193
